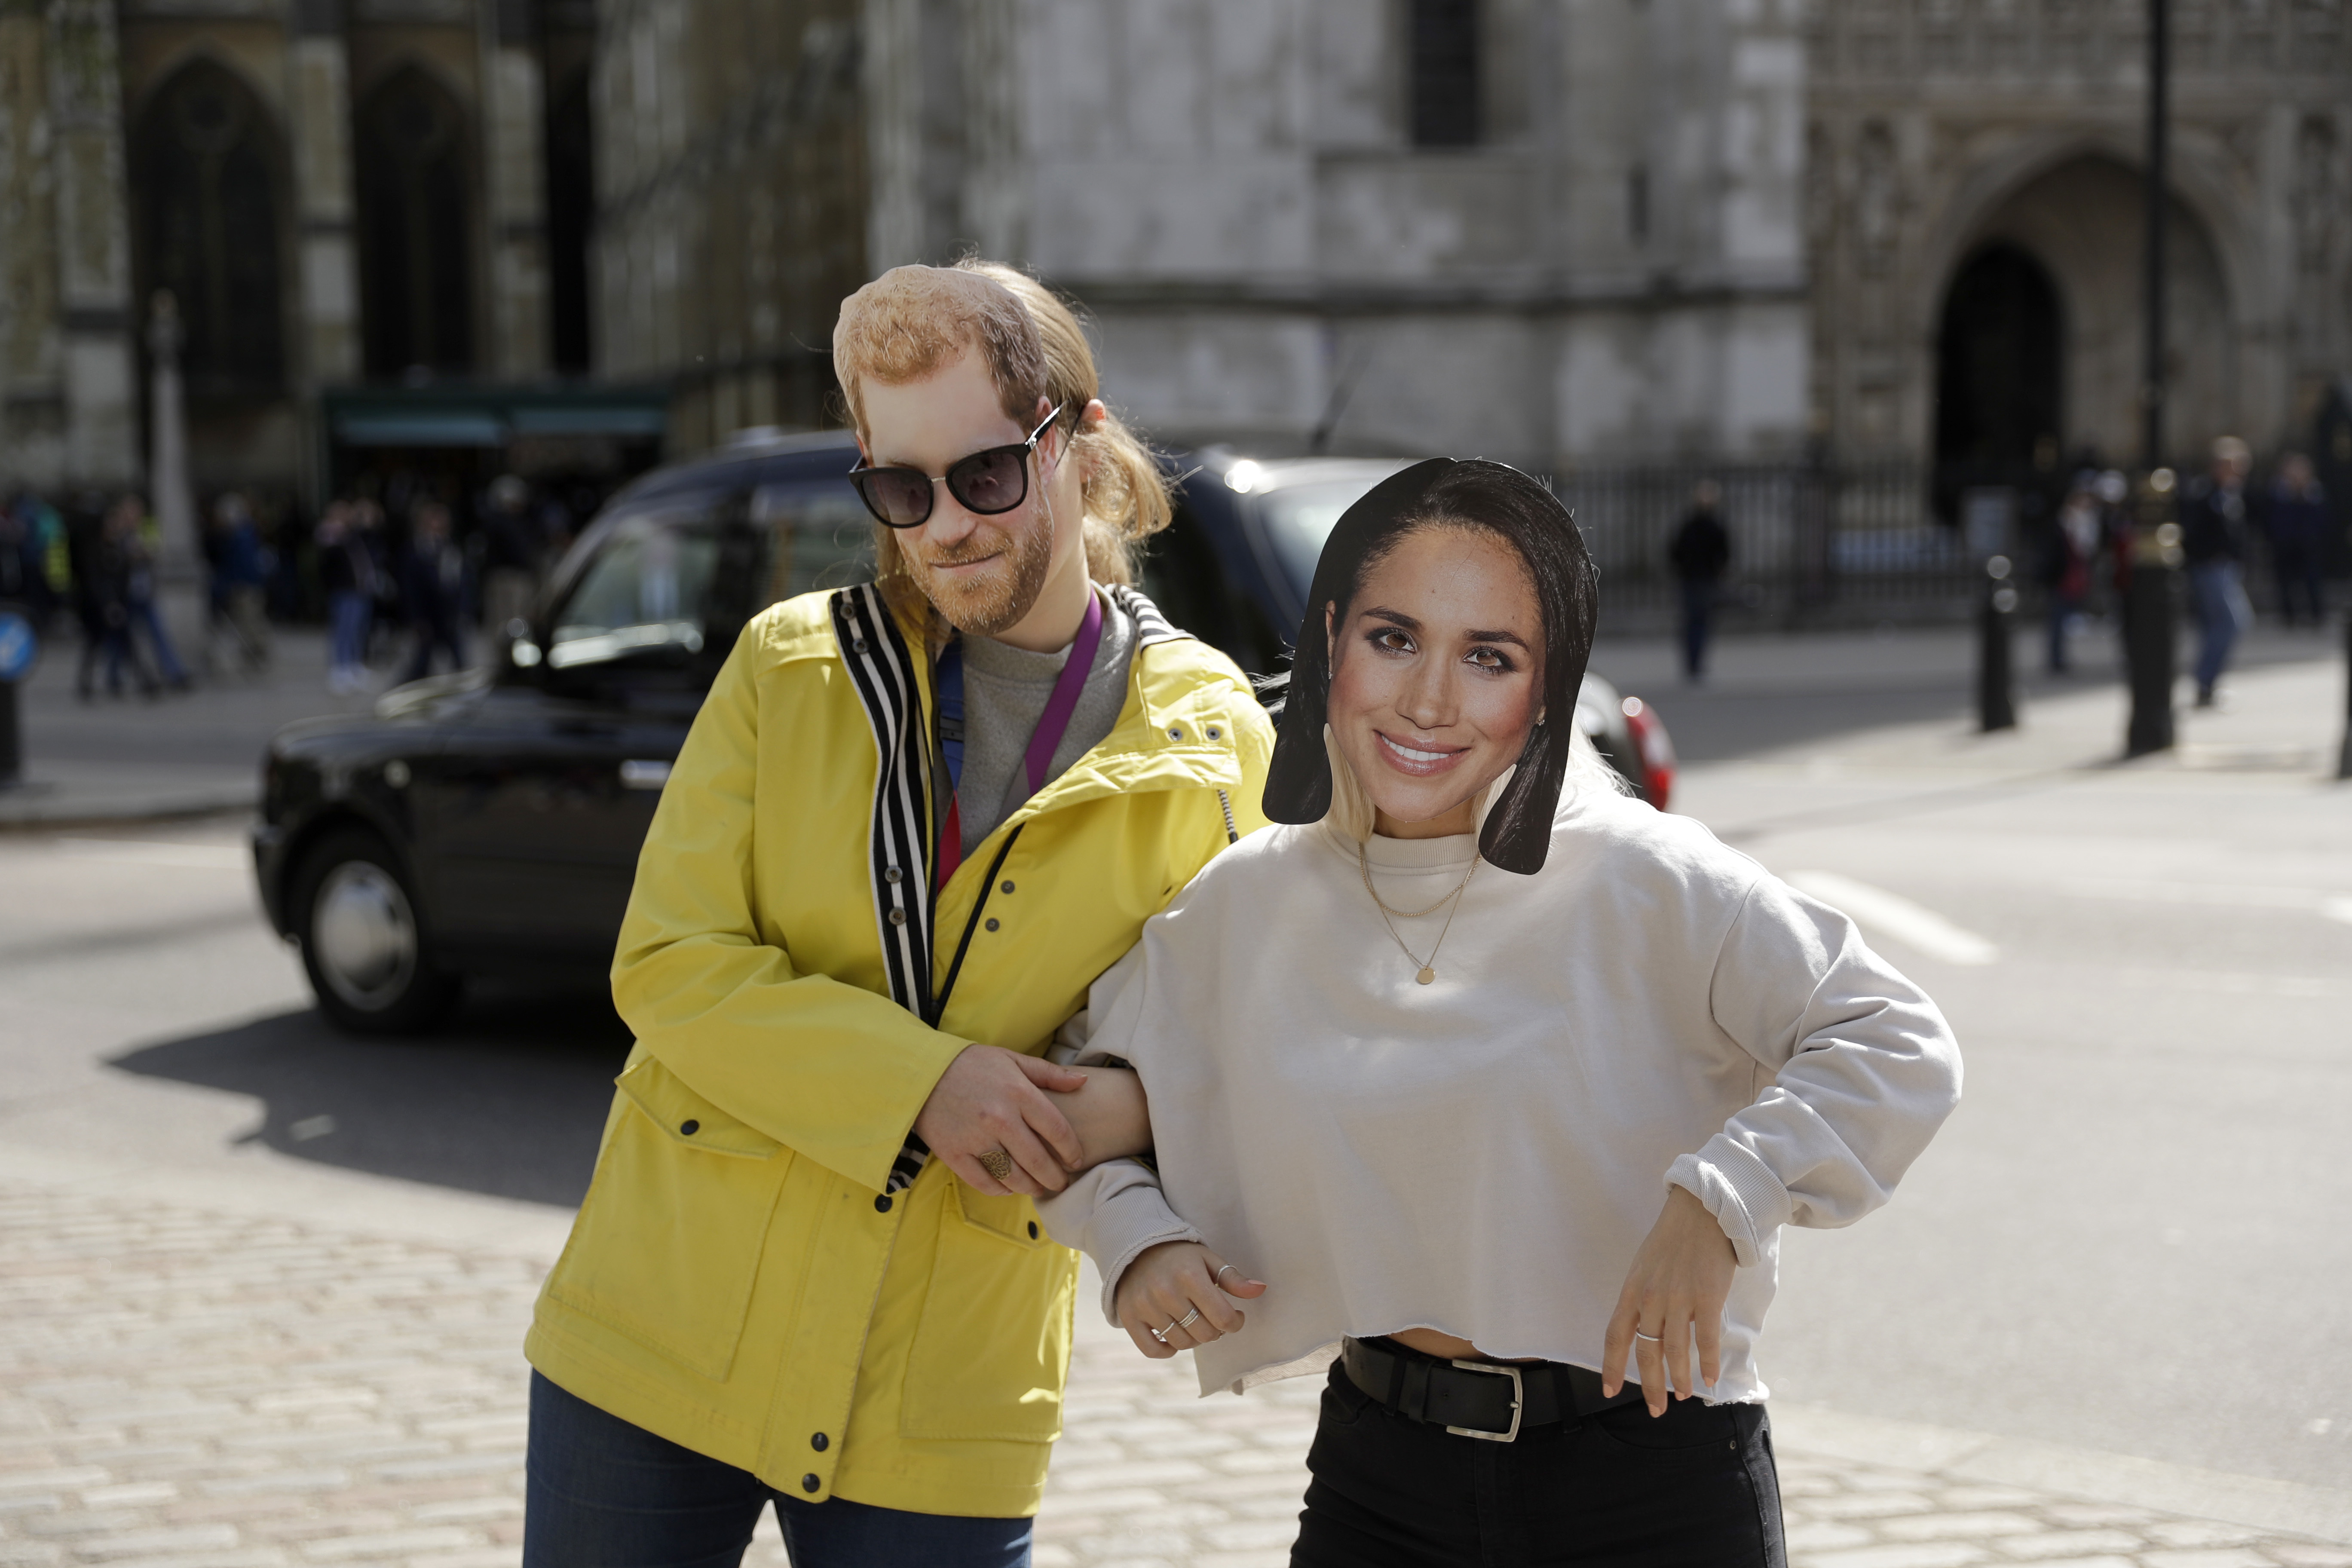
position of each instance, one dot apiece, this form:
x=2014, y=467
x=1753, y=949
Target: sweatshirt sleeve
x=1117, y=1210
x=1866, y=1069
x=1113, y=1214
x=831, y=1070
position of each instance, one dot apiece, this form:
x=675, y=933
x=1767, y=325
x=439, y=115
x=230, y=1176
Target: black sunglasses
x=985, y=483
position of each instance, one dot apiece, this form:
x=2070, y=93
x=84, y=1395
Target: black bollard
x=19, y=647
x=2151, y=612
x=1996, y=683
x=2343, y=761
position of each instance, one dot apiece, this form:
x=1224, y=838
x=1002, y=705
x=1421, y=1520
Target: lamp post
x=2151, y=592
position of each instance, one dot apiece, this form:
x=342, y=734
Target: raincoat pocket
x=667, y=1243
x=992, y=1348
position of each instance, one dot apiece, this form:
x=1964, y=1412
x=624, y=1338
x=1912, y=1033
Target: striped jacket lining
x=882, y=670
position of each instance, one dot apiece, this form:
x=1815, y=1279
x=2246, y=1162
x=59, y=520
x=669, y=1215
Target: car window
x=648, y=587
x=1298, y=518
x=823, y=536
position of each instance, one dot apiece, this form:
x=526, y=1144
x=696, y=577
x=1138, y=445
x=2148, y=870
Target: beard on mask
x=1002, y=595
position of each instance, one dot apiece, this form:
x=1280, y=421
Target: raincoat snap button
x=882, y=1203
x=689, y=1127
x=897, y=917
x=1216, y=733
x=810, y=1483
x=891, y=873
x=1032, y=1230
x=1175, y=733
x=820, y=1442
x=858, y=646
x=991, y=923
x=1005, y=888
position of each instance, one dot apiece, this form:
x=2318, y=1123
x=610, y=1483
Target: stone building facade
x=1546, y=229
x=1975, y=212
x=1570, y=233
x=335, y=192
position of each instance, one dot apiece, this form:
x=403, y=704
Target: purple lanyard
x=1054, y=721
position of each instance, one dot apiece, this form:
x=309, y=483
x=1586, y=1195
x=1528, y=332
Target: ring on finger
x=1653, y=1339
x=1187, y=1319
x=1162, y=1334
x=996, y=1162
x=1220, y=1274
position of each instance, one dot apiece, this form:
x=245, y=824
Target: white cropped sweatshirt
x=1484, y=1154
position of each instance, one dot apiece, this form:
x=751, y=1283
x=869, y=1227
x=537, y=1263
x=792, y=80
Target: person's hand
x=1172, y=1281
x=1675, y=1290
x=990, y=1098
x=1110, y=1115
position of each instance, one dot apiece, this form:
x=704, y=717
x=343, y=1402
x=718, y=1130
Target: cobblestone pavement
x=182, y=1390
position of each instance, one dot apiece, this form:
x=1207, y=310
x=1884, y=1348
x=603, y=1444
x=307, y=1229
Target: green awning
x=462, y=414
x=420, y=430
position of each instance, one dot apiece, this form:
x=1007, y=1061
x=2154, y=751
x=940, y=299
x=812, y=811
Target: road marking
x=2242, y=896
x=146, y=852
x=1891, y=914
x=2230, y=982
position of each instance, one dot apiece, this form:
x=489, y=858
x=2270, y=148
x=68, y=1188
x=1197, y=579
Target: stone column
x=319, y=96
x=32, y=403
x=169, y=494
x=514, y=94
x=93, y=243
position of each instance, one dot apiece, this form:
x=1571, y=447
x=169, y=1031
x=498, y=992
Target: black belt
x=1492, y=1400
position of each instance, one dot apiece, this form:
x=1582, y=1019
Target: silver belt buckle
x=1518, y=1402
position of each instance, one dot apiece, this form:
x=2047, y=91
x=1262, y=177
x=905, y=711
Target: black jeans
x=1692, y=1488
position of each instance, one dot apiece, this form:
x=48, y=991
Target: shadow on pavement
x=509, y=1100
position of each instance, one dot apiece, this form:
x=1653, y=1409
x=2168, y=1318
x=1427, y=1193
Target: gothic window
x=415, y=255
x=1444, y=42
x=206, y=165
x=571, y=210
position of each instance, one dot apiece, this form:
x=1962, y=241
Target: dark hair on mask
x=1480, y=497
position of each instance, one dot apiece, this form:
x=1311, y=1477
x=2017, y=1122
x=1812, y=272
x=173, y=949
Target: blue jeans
x=348, y=613
x=2222, y=614
x=602, y=1493
x=1698, y=616
x=167, y=660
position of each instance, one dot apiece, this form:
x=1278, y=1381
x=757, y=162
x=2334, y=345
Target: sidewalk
x=189, y=1389
x=129, y=757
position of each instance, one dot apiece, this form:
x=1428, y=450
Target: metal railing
x=1811, y=544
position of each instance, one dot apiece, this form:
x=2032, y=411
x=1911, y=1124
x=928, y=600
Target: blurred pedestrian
x=2213, y=541
x=48, y=578
x=2074, y=547
x=102, y=576
x=433, y=590
x=1701, y=553
x=347, y=576
x=510, y=554
x=2298, y=528
x=20, y=565
x=370, y=527
x=240, y=566
x=141, y=546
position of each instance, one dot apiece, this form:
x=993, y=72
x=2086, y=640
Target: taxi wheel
x=362, y=943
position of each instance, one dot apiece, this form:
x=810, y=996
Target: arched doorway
x=415, y=248
x=1999, y=353
x=2081, y=223
x=208, y=165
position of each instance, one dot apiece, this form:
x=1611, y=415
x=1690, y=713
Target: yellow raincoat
x=738, y=1280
